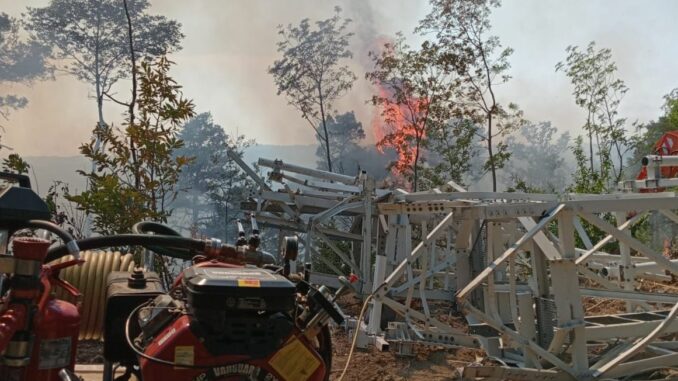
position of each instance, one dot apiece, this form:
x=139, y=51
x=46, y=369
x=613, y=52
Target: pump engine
x=223, y=319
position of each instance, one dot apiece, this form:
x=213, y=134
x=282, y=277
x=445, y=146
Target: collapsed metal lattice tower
x=520, y=268
x=518, y=274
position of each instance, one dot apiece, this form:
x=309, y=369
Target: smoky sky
x=230, y=44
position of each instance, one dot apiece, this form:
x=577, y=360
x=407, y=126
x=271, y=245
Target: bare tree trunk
x=588, y=125
x=416, y=165
x=326, y=138
x=133, y=101
x=100, y=108
x=491, y=153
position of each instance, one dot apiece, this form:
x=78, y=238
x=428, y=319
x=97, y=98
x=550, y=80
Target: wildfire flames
x=398, y=123
x=397, y=126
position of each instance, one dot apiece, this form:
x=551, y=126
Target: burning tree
x=416, y=99
x=310, y=73
x=460, y=28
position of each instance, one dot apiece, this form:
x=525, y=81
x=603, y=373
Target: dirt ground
x=428, y=364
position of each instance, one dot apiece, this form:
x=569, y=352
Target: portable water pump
x=232, y=315
x=237, y=313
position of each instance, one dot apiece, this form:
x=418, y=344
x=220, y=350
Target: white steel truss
x=521, y=268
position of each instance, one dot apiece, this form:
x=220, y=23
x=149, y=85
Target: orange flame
x=397, y=126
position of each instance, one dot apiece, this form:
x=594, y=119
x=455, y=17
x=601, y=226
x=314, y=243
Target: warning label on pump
x=55, y=353
x=184, y=355
x=294, y=361
x=249, y=283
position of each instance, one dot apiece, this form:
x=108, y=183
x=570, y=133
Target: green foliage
x=14, y=163
x=590, y=181
x=93, y=42
x=671, y=108
x=649, y=133
x=537, y=158
x=310, y=72
x=211, y=185
x=461, y=31
x=520, y=186
x=586, y=180
x=599, y=92
x=345, y=134
x=65, y=213
x=330, y=256
x=450, y=153
x=136, y=174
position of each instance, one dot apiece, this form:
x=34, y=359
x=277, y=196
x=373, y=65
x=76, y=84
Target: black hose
x=156, y=228
x=70, y=245
x=145, y=227
x=51, y=227
x=186, y=247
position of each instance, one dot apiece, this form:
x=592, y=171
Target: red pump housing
x=297, y=360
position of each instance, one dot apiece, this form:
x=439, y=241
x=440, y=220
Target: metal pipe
x=278, y=164
x=650, y=266
x=662, y=161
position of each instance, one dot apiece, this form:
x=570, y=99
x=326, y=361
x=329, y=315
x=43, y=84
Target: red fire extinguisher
x=38, y=333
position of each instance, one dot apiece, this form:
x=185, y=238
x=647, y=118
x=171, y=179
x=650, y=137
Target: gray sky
x=230, y=44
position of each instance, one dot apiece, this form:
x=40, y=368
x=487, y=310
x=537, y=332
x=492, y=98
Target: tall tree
x=648, y=134
x=211, y=185
x=538, y=157
x=90, y=40
x=671, y=107
x=461, y=29
x=451, y=150
x=20, y=62
x=415, y=95
x=310, y=72
x=345, y=134
x=598, y=91
x=113, y=196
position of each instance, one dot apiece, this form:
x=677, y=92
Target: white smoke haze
x=230, y=44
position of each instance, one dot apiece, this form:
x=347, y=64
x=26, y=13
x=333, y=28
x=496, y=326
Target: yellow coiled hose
x=90, y=279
